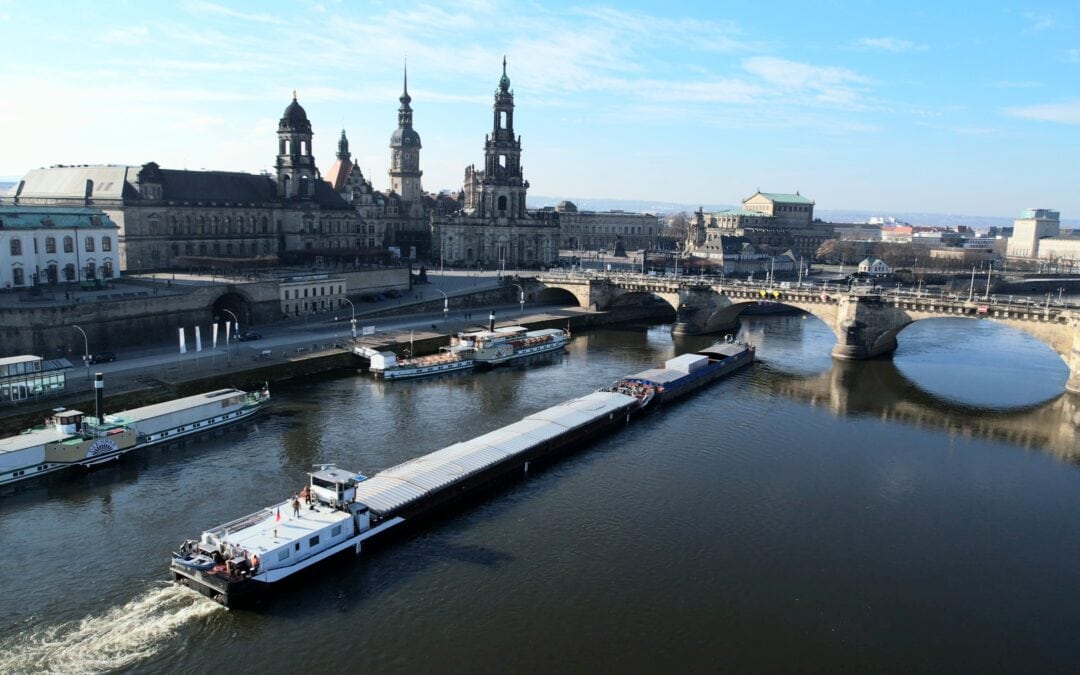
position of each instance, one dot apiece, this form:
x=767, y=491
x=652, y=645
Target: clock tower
x=405, y=170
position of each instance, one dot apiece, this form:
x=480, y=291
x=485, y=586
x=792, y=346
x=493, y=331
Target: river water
x=918, y=514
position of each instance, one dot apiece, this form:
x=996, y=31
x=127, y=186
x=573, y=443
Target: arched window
x=16, y=247
x=202, y=225
x=106, y=244
x=502, y=203
x=17, y=278
x=107, y=269
x=53, y=272
x=89, y=245
x=69, y=271
x=50, y=244
x=265, y=225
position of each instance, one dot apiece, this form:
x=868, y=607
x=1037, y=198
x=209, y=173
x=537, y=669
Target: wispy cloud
x=1016, y=84
x=130, y=36
x=1072, y=55
x=1038, y=21
x=822, y=85
x=889, y=44
x=200, y=7
x=199, y=122
x=1067, y=112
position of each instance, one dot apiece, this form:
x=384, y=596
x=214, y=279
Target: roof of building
x=405, y=136
x=870, y=262
x=294, y=117
x=337, y=174
x=742, y=212
x=783, y=198
x=33, y=217
x=71, y=182
x=327, y=198
x=216, y=186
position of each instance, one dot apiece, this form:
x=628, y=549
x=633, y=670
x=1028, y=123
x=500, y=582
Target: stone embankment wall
x=123, y=322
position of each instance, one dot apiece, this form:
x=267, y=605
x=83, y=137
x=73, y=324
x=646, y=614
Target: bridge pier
x=1073, y=385
x=865, y=329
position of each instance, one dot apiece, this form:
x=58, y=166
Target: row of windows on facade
x=69, y=245
x=613, y=229
x=203, y=225
x=777, y=208
x=321, y=290
x=250, y=248
x=310, y=306
x=52, y=272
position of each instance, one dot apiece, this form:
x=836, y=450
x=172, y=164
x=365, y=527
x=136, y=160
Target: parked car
x=103, y=357
x=248, y=336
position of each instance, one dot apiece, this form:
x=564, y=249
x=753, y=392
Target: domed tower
x=405, y=152
x=296, y=171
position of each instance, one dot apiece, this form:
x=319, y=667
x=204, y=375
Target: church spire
x=343, y=148
x=405, y=111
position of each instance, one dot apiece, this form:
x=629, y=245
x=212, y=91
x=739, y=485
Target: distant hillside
x=831, y=215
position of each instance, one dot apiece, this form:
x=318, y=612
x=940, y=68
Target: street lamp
x=445, y=304
x=521, y=298
x=86, y=350
x=352, y=307
x=236, y=322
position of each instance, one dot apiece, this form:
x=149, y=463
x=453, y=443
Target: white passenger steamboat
x=469, y=349
x=71, y=438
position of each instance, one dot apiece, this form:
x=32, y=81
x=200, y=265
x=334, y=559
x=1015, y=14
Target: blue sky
x=942, y=107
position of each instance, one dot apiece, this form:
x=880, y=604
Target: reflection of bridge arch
x=879, y=390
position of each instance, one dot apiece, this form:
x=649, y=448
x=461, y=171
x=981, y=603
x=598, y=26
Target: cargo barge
x=687, y=372
x=339, y=510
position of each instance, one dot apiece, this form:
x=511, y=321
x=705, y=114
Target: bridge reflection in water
x=880, y=390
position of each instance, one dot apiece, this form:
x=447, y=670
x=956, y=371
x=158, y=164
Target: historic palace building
x=772, y=222
x=494, y=228
x=175, y=219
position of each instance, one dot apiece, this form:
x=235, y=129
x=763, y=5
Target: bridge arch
x=553, y=295
x=639, y=298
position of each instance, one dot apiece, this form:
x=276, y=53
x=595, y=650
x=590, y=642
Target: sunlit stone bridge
x=866, y=321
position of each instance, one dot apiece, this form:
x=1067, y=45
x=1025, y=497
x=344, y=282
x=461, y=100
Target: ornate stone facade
x=175, y=219
x=772, y=222
x=494, y=228
x=591, y=230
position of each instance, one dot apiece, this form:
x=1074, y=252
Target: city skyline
x=882, y=108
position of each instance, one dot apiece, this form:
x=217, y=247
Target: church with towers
x=173, y=219
x=493, y=227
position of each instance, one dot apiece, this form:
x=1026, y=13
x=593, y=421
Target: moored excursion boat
x=71, y=438
x=489, y=347
x=339, y=510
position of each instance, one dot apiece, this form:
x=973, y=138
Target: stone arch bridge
x=865, y=322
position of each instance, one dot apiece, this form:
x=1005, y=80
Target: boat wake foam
x=118, y=639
